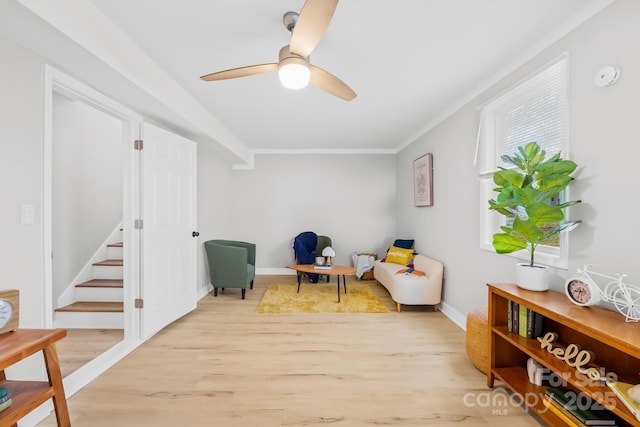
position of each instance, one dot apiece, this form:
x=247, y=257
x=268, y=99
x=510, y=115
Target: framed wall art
x=423, y=180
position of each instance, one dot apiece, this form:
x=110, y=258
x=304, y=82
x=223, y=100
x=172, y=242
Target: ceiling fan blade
x=331, y=84
x=312, y=23
x=233, y=73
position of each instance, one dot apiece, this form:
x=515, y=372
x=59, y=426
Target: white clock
x=9, y=310
x=582, y=292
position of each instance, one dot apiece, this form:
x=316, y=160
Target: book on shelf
x=574, y=403
x=535, y=324
x=322, y=267
x=568, y=417
x=524, y=321
x=621, y=390
x=5, y=398
x=562, y=413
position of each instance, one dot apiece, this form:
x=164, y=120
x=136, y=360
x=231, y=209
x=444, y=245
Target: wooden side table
x=337, y=270
x=28, y=395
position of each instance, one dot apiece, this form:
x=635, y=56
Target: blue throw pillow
x=404, y=243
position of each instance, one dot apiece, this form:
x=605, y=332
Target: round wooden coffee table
x=337, y=270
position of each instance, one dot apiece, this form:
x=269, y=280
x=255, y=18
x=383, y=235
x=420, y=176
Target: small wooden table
x=338, y=270
x=28, y=395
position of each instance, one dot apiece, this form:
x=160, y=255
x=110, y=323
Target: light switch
x=27, y=215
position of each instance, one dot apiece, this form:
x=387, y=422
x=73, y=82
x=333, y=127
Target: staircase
x=98, y=301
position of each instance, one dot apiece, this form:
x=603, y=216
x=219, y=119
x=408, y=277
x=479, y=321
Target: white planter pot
x=532, y=278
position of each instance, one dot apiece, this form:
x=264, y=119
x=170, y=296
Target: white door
x=168, y=210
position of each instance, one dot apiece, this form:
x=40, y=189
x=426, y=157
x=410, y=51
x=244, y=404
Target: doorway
x=157, y=188
x=89, y=193
x=86, y=220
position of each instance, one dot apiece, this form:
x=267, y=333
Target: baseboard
x=275, y=271
x=454, y=315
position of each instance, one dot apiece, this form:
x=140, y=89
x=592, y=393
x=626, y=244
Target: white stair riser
x=106, y=272
x=115, y=252
x=82, y=320
x=99, y=294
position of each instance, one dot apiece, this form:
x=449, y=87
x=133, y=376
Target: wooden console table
x=28, y=395
x=615, y=342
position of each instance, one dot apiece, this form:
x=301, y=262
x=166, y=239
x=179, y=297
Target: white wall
x=21, y=183
x=21, y=178
x=603, y=141
x=350, y=198
x=214, y=194
x=87, y=185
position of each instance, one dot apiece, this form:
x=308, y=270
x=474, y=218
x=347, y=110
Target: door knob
x=195, y=234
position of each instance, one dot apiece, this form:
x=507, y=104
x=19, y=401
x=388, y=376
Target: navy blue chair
x=306, y=247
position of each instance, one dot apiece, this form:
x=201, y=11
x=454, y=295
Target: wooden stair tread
x=116, y=245
x=93, y=306
x=110, y=263
x=101, y=283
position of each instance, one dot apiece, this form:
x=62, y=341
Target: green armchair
x=232, y=264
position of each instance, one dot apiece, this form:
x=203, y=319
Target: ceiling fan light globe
x=294, y=75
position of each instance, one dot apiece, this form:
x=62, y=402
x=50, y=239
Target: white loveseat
x=411, y=289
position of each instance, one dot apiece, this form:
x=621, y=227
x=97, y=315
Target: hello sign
x=573, y=356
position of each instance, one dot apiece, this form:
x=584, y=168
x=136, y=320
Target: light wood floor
x=80, y=346
x=226, y=365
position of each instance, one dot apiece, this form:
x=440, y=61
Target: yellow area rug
x=320, y=298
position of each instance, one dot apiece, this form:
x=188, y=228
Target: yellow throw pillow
x=399, y=255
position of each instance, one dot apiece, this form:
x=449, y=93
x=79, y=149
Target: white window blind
x=535, y=110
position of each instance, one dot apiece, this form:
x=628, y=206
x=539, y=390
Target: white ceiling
x=411, y=62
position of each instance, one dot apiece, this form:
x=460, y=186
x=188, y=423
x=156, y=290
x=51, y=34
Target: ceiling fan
x=294, y=69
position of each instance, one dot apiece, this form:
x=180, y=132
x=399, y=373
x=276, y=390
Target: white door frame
x=56, y=81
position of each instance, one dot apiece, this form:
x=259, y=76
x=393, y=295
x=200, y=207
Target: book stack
x=5, y=398
x=524, y=321
x=574, y=408
x=322, y=267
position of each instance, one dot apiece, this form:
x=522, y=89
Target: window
x=537, y=109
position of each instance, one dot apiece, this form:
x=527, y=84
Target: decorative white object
x=328, y=252
x=634, y=393
x=9, y=310
x=532, y=278
x=536, y=372
x=582, y=289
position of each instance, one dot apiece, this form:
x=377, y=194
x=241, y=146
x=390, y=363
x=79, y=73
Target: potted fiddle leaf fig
x=526, y=197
